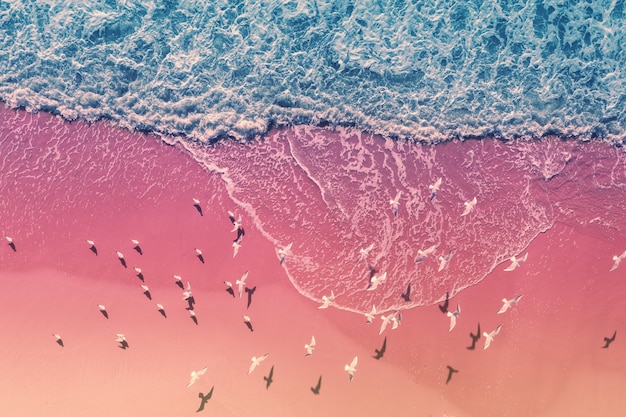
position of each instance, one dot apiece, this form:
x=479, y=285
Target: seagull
x=516, y=262
x=58, y=339
x=380, y=352
x=139, y=273
x=199, y=255
x=192, y=315
x=136, y=247
x=120, y=256
x=396, y=319
x=283, y=252
x=475, y=338
x=469, y=206
x=146, y=291
x=364, y=252
x=195, y=375
x=370, y=316
x=395, y=202
x=187, y=296
x=508, y=304
x=179, y=281
x=423, y=254
x=406, y=296
x=248, y=323
x=11, y=243
x=241, y=282
x=617, y=260
x=316, y=390
x=609, y=340
x=196, y=204
x=453, y=317
x=103, y=310
x=161, y=310
x=443, y=261
x=351, y=369
x=434, y=188
x=236, y=246
x=204, y=399
x=489, y=336
x=270, y=378
x=256, y=362
x=229, y=288
x=236, y=226
x=451, y=371
x=444, y=307
x=375, y=280
x=121, y=339
x=383, y=325
x=310, y=347
x=327, y=301
x=250, y=291
x=92, y=246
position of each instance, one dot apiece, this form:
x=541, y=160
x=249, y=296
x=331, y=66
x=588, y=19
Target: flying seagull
x=383, y=325
x=394, y=203
x=139, y=273
x=444, y=307
x=316, y=390
x=199, y=255
x=453, y=316
x=196, y=204
x=161, y=310
x=229, y=288
x=92, y=246
x=434, y=188
x=380, y=352
x=609, y=340
x=370, y=316
x=250, y=291
x=120, y=256
x=396, y=319
x=241, y=282
x=489, y=336
x=310, y=347
x=103, y=310
x=475, y=338
x=443, y=261
x=136, y=246
x=236, y=247
x=617, y=260
x=506, y=304
x=58, y=339
x=423, y=254
x=364, y=252
x=406, y=296
x=469, y=206
x=179, y=281
x=327, y=300
x=188, y=296
x=192, y=315
x=351, y=369
x=284, y=252
x=204, y=399
x=121, y=339
x=515, y=262
x=375, y=280
x=11, y=243
x=451, y=371
x=248, y=323
x=146, y=291
x=195, y=375
x=269, y=378
x=256, y=362
x=236, y=226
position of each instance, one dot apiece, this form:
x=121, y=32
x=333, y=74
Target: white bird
x=453, y=316
x=489, y=337
x=310, y=347
x=396, y=319
x=508, y=304
x=195, y=375
x=256, y=362
x=371, y=315
x=617, y=260
x=58, y=339
x=515, y=262
x=327, y=300
x=351, y=369
x=364, y=252
x=236, y=222
x=375, y=280
x=241, y=282
x=469, y=206
x=236, y=246
x=284, y=252
x=92, y=246
x=443, y=261
x=394, y=203
x=383, y=325
x=423, y=254
x=120, y=256
x=434, y=188
x=121, y=339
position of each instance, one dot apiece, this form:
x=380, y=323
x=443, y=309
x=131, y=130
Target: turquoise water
x=428, y=70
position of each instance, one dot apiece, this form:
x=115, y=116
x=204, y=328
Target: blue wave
x=428, y=70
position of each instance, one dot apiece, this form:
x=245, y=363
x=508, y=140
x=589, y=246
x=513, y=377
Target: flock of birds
x=375, y=280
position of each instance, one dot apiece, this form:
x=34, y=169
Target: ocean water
x=420, y=70
x=306, y=118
